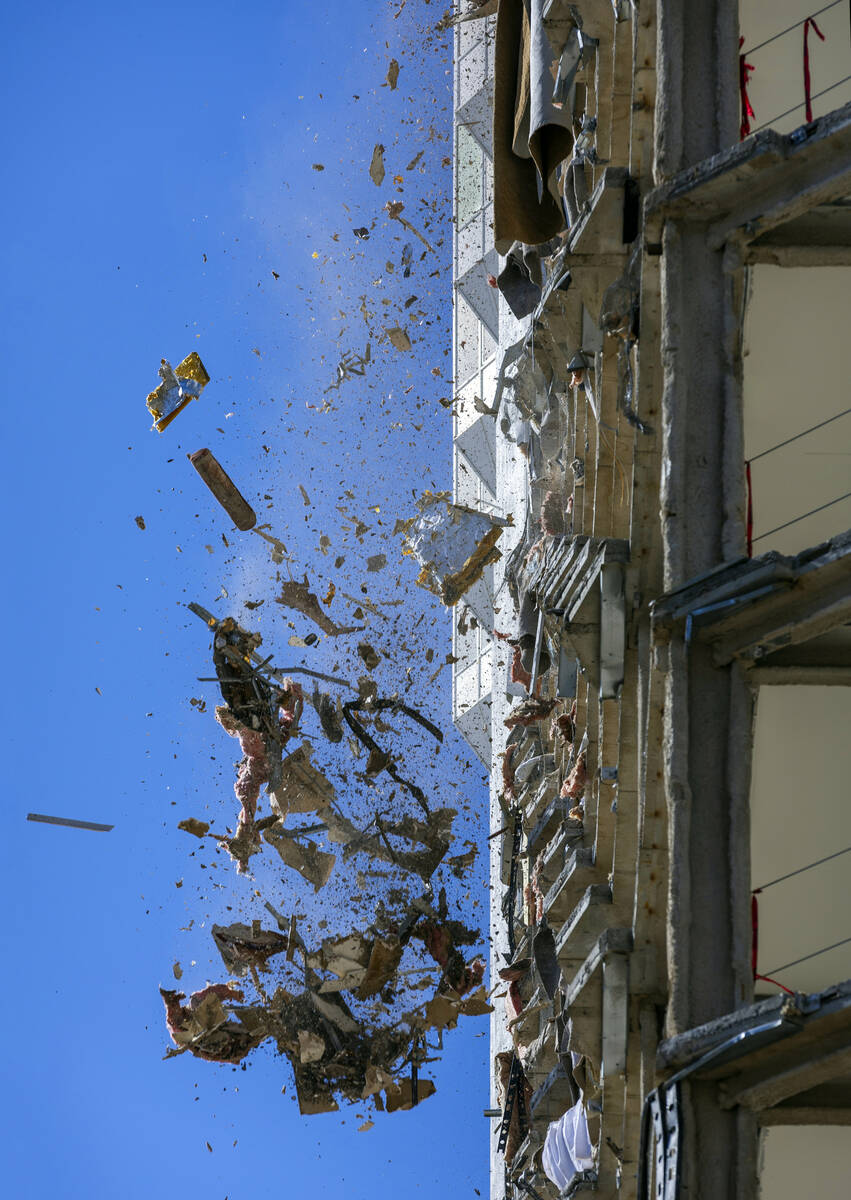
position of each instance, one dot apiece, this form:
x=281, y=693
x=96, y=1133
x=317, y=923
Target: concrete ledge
x=764, y=182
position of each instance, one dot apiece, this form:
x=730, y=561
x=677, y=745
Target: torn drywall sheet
x=453, y=545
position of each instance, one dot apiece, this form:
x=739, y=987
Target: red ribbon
x=749, y=520
x=755, y=945
x=746, y=69
x=809, y=21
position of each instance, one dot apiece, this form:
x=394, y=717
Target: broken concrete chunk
x=376, y=562
x=376, y=1079
x=393, y=74
x=178, y=387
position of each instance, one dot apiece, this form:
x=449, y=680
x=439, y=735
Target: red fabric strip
x=755, y=946
x=782, y=986
x=754, y=932
x=749, y=519
x=807, y=88
x=746, y=69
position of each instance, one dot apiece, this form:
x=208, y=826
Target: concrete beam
x=756, y=186
x=829, y=1104
x=818, y=238
x=764, y=1086
x=772, y=605
x=706, y=710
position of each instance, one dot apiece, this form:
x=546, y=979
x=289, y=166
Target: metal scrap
x=70, y=821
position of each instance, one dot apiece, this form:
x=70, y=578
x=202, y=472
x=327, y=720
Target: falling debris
x=178, y=387
x=376, y=166
x=205, y=1027
x=453, y=545
x=263, y=717
x=394, y=210
x=140, y=521
x=376, y=562
x=393, y=74
x=371, y=658
x=299, y=596
x=279, y=550
x=224, y=489
x=399, y=337
x=243, y=947
x=192, y=825
x=44, y=820
x=302, y=855
x=460, y=864
x=302, y=787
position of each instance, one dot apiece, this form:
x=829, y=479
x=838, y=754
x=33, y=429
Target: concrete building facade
x=651, y=384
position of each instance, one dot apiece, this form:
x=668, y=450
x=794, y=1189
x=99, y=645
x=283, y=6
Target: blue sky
x=159, y=168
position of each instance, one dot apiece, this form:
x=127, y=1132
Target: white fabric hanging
x=567, y=1148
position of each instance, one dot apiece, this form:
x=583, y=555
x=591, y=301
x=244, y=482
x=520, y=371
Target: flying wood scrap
x=224, y=489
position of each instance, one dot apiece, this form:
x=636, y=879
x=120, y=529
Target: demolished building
x=630, y=245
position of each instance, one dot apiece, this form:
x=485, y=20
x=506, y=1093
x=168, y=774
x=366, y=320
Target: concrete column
x=707, y=721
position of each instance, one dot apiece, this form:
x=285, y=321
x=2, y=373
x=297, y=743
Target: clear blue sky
x=158, y=167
